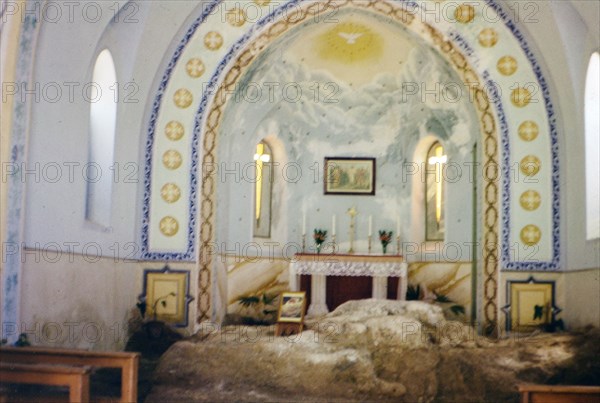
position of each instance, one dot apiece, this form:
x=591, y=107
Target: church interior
x=417, y=181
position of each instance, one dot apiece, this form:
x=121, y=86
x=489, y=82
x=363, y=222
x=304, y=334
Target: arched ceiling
x=485, y=34
x=357, y=48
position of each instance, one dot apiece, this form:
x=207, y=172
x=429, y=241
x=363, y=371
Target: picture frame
x=349, y=176
x=166, y=293
x=291, y=307
x=530, y=304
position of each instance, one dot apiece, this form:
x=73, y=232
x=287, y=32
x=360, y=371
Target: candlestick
x=304, y=222
x=398, y=245
x=370, y=243
x=370, y=226
x=333, y=225
x=303, y=242
x=352, y=213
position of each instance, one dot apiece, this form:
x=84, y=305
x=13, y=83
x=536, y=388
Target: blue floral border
x=507, y=263
x=11, y=274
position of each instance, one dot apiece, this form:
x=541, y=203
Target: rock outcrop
x=368, y=350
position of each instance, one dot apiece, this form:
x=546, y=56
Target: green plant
x=456, y=309
x=385, y=237
x=23, y=341
x=163, y=301
x=413, y=293
x=142, y=304
x=553, y=326
x=261, y=308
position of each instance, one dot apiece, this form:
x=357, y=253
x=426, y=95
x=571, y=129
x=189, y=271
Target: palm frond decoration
x=441, y=298
x=413, y=292
x=457, y=309
x=249, y=300
x=267, y=300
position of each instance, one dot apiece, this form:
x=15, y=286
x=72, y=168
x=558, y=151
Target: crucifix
x=352, y=213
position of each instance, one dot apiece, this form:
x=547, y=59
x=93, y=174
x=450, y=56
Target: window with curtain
x=435, y=193
x=103, y=118
x=263, y=160
x=592, y=145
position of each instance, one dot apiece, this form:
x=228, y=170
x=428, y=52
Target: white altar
x=380, y=267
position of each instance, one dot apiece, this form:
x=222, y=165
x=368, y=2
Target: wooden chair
x=77, y=379
x=532, y=393
x=128, y=363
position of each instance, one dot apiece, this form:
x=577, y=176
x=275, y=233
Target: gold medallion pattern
x=530, y=165
x=170, y=193
x=174, y=130
x=172, y=159
x=520, y=97
x=213, y=40
x=530, y=200
x=464, y=13
x=183, y=98
x=169, y=226
x=262, y=3
x=531, y=235
x=236, y=17
x=488, y=37
x=195, y=67
x=507, y=65
x=528, y=130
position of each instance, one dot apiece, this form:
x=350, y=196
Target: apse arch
x=523, y=116
x=209, y=124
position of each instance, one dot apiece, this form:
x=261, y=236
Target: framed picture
x=530, y=305
x=291, y=307
x=349, y=176
x=166, y=293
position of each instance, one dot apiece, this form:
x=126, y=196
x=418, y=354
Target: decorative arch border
x=456, y=41
x=209, y=126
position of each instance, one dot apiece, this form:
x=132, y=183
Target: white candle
x=398, y=225
x=304, y=222
x=370, y=225
x=333, y=225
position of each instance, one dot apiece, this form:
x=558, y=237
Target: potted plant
x=319, y=235
x=385, y=237
x=154, y=327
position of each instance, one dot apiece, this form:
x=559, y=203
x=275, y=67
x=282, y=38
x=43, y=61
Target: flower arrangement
x=385, y=237
x=319, y=236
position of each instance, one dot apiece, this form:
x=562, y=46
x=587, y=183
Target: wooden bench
x=532, y=393
x=77, y=379
x=126, y=361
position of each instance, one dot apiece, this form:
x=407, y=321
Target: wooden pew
x=127, y=361
x=76, y=378
x=532, y=393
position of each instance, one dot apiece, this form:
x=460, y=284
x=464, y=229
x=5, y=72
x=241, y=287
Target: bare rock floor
x=367, y=351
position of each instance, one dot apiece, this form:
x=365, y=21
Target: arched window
x=103, y=117
x=435, y=193
x=592, y=145
x=263, y=158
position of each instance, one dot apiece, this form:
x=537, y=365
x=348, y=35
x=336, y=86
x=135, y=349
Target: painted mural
x=326, y=90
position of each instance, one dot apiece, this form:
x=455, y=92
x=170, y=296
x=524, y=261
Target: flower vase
x=319, y=248
x=384, y=246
